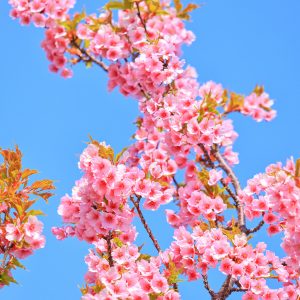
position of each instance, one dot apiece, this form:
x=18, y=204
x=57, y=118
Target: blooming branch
x=183, y=130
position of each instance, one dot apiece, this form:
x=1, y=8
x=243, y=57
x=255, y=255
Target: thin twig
x=223, y=164
x=211, y=165
x=6, y=254
x=109, y=249
x=175, y=182
x=140, y=17
x=256, y=228
x=235, y=182
x=237, y=290
x=147, y=96
x=151, y=235
x=206, y=156
x=138, y=209
x=88, y=57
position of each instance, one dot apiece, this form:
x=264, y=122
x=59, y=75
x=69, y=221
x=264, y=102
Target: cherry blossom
x=181, y=158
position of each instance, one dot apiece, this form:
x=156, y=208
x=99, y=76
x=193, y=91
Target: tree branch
x=235, y=182
x=140, y=17
x=223, y=164
x=207, y=286
x=86, y=56
x=237, y=290
x=175, y=182
x=143, y=220
x=211, y=165
x=109, y=249
x=226, y=288
x=256, y=228
x=136, y=204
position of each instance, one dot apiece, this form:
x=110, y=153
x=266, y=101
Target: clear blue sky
x=239, y=43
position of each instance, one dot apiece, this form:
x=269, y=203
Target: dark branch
x=109, y=249
x=140, y=17
x=175, y=182
x=136, y=204
x=207, y=286
x=143, y=220
x=256, y=228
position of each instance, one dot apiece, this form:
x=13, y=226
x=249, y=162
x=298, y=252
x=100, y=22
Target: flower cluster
x=105, y=42
x=258, y=106
x=197, y=252
x=131, y=276
x=55, y=45
x=99, y=201
x=182, y=126
x=20, y=230
x=26, y=237
x=275, y=195
x=48, y=14
x=41, y=12
x=100, y=214
x=199, y=199
x=156, y=64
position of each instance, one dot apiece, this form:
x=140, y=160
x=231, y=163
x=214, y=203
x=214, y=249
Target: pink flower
x=108, y=220
x=273, y=229
x=159, y=284
x=100, y=167
x=258, y=106
x=221, y=249
x=240, y=240
x=249, y=268
x=230, y=156
x=261, y=204
x=13, y=233
x=145, y=285
x=59, y=233
x=36, y=242
x=226, y=266
x=66, y=73
x=39, y=20
x=237, y=270
x=270, y=218
x=172, y=218
x=213, y=90
x=138, y=35
x=118, y=289
x=219, y=205
x=113, y=53
x=22, y=253
x=119, y=255
x=142, y=187
x=258, y=286
x=33, y=227
x=171, y=295
x=3, y=207
x=36, y=6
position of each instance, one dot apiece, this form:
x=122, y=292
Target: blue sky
x=239, y=44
